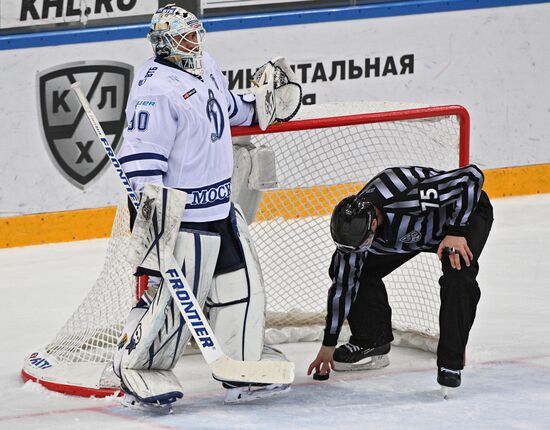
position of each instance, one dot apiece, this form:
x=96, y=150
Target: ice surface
x=506, y=384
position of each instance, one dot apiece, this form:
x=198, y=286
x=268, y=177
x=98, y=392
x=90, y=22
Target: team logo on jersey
x=411, y=237
x=70, y=140
x=215, y=115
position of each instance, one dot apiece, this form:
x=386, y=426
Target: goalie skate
x=250, y=393
x=350, y=357
x=132, y=402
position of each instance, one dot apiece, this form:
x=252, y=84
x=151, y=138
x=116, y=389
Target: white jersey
x=179, y=134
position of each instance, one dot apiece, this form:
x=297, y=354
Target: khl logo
x=70, y=140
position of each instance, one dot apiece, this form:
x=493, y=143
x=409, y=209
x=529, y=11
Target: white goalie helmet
x=178, y=36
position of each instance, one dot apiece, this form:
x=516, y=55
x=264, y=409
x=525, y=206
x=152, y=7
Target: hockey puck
x=320, y=376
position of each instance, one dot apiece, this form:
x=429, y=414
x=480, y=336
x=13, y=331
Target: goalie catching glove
x=278, y=93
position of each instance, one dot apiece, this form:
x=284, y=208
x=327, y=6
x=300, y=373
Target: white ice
x=506, y=384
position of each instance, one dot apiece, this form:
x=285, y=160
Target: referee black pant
x=370, y=313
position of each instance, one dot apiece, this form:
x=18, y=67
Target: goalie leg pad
x=153, y=238
x=237, y=301
x=199, y=252
x=145, y=323
x=161, y=335
x=134, y=317
x=143, y=326
x=156, y=227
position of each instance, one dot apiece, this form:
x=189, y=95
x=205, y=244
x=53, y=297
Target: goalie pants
x=230, y=257
x=370, y=313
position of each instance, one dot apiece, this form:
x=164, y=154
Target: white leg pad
x=160, y=338
x=157, y=225
x=199, y=253
x=137, y=339
x=237, y=300
x=135, y=316
x=155, y=336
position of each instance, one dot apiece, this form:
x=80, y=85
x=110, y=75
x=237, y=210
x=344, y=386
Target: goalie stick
x=223, y=367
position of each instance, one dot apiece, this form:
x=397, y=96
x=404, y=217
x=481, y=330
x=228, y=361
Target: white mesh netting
x=315, y=169
x=92, y=331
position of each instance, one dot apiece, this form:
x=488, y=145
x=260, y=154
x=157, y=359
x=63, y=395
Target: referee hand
x=455, y=247
x=323, y=362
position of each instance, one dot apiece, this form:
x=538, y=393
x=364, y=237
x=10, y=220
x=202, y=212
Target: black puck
x=320, y=376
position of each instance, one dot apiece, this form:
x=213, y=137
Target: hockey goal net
x=327, y=153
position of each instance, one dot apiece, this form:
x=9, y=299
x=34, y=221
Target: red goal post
x=328, y=152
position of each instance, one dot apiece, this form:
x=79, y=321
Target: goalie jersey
x=179, y=134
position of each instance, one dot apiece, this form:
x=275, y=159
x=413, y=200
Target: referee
x=401, y=212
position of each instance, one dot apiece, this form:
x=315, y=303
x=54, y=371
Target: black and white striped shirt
x=420, y=206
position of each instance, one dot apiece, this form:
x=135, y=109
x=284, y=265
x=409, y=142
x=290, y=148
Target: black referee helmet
x=351, y=223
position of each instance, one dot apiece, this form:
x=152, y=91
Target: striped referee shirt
x=420, y=206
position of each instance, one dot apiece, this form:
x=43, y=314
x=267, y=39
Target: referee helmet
x=351, y=224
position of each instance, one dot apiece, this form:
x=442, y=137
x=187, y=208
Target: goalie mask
x=178, y=36
x=351, y=224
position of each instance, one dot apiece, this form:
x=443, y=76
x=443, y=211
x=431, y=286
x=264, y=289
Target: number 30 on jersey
x=140, y=120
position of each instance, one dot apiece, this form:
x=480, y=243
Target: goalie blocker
x=156, y=335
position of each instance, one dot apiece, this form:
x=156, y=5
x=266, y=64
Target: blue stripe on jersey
x=209, y=195
x=142, y=156
x=136, y=173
